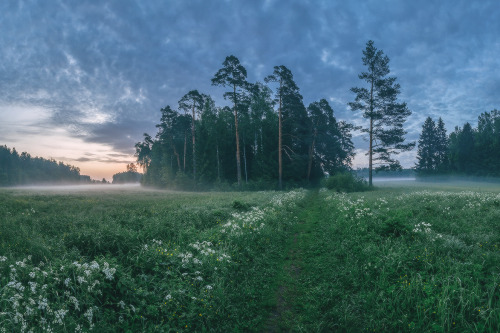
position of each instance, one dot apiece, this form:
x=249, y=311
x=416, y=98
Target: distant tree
x=233, y=75
x=442, y=147
x=262, y=129
x=466, y=149
x=379, y=105
x=192, y=101
x=427, y=154
x=131, y=167
x=143, y=151
x=293, y=125
x=331, y=148
x=130, y=176
x=18, y=169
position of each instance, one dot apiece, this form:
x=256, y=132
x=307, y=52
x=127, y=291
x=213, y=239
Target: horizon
x=81, y=84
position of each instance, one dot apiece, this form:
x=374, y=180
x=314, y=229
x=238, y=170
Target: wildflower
x=89, y=314
x=75, y=302
x=108, y=271
x=168, y=297
x=2, y=258
x=32, y=286
x=59, y=314
x=66, y=282
x=122, y=304
x=43, y=304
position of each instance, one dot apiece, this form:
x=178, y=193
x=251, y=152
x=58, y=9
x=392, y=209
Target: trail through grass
x=389, y=260
x=396, y=261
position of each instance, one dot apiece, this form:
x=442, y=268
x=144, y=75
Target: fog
x=75, y=188
x=441, y=183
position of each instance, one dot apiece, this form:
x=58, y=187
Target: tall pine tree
x=427, y=152
x=233, y=75
x=386, y=116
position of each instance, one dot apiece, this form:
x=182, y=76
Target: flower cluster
x=41, y=296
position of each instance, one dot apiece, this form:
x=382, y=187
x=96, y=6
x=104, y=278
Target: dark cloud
x=105, y=68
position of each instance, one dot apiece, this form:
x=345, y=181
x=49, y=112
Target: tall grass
x=154, y=262
x=384, y=261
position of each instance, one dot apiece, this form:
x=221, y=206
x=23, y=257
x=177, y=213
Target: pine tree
x=233, y=75
x=385, y=115
x=293, y=125
x=192, y=101
x=331, y=147
x=427, y=155
x=441, y=147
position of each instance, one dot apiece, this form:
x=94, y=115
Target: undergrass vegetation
x=147, y=261
x=392, y=259
x=386, y=261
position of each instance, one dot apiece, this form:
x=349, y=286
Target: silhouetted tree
x=233, y=75
x=192, y=101
x=379, y=105
x=427, y=154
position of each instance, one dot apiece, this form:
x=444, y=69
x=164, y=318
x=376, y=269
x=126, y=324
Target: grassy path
x=383, y=261
x=288, y=312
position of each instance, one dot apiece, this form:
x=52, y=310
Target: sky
x=81, y=81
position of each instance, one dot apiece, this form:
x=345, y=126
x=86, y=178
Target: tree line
x=17, y=169
x=268, y=138
x=466, y=151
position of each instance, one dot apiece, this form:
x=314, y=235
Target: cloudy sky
x=80, y=81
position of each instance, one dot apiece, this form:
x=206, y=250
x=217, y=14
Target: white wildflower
x=43, y=304
x=33, y=286
x=94, y=265
x=59, y=314
x=89, y=314
x=108, y=271
x=75, y=302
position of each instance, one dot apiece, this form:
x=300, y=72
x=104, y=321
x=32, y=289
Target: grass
x=395, y=259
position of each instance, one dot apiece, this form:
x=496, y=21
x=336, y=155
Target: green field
x=126, y=259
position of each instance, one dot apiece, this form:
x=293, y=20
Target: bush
x=346, y=182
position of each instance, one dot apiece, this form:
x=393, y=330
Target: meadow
x=394, y=259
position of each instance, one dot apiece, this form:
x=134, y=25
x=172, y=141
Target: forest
x=466, y=151
x=18, y=169
x=276, y=141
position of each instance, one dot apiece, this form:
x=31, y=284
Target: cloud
x=101, y=71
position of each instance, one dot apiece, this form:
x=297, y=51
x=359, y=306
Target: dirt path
x=282, y=317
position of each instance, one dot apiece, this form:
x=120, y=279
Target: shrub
x=346, y=182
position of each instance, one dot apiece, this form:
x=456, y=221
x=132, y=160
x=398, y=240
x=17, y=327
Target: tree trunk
x=194, y=147
x=280, y=160
x=245, y=160
x=218, y=164
x=311, y=153
x=185, y=150
x=238, y=162
x=370, y=149
x=178, y=158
